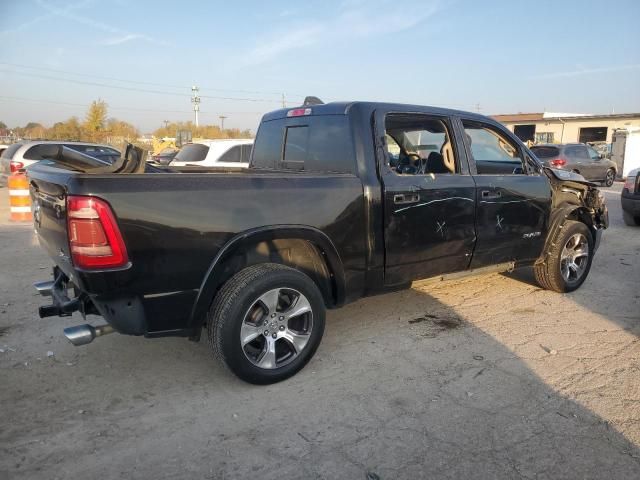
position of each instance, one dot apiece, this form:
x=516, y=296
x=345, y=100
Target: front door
x=513, y=197
x=429, y=197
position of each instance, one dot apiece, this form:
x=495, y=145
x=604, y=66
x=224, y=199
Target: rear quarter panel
x=174, y=225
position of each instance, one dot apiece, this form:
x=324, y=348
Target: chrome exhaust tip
x=44, y=288
x=84, y=334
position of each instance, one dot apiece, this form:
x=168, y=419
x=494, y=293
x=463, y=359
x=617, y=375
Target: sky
x=142, y=57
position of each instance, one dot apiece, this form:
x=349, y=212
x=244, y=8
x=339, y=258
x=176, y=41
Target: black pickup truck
x=340, y=201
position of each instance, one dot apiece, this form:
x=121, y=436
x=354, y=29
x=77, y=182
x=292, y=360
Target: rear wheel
x=266, y=323
x=609, y=178
x=569, y=259
x=630, y=219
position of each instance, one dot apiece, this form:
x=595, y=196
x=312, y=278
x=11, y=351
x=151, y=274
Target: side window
x=268, y=145
x=232, y=155
x=245, y=153
x=494, y=153
x=570, y=153
x=577, y=153
x=595, y=156
x=419, y=145
x=312, y=144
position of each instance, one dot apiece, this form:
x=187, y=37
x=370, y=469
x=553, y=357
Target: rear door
x=429, y=197
x=513, y=198
x=597, y=168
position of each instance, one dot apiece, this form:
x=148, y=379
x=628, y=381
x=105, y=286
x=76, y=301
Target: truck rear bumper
x=125, y=315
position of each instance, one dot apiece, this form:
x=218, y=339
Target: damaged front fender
x=575, y=198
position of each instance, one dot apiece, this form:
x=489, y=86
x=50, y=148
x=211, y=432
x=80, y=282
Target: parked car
x=578, y=158
x=165, y=156
x=630, y=198
x=215, y=153
x=19, y=156
x=321, y=218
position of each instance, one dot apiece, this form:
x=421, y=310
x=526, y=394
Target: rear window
x=314, y=144
x=192, y=152
x=545, y=152
x=8, y=153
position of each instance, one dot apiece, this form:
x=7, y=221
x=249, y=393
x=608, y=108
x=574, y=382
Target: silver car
x=19, y=156
x=578, y=158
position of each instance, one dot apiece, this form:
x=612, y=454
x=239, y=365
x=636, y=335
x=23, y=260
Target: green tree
x=96, y=121
x=3, y=126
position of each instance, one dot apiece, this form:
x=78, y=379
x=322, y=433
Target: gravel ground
x=488, y=377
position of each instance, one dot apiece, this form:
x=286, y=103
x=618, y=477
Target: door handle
x=404, y=198
x=491, y=194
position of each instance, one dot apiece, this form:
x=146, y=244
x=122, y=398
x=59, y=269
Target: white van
x=215, y=153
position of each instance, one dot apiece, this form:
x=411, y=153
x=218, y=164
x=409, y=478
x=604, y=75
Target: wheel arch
x=302, y=247
x=559, y=217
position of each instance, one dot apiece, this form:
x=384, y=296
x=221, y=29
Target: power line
x=86, y=105
x=136, y=82
x=135, y=89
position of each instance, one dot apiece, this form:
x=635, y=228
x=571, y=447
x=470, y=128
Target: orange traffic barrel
x=19, y=200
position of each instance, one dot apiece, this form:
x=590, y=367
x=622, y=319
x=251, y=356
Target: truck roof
x=342, y=108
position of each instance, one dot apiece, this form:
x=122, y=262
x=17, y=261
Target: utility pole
x=222, y=117
x=284, y=104
x=195, y=99
x=478, y=107
x=166, y=123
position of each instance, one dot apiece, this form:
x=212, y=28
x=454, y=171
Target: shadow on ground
x=403, y=386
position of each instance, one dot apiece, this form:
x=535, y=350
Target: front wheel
x=266, y=322
x=568, y=261
x=609, y=178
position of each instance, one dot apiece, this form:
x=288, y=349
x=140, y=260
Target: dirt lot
x=489, y=377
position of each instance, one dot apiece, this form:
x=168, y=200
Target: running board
x=499, y=268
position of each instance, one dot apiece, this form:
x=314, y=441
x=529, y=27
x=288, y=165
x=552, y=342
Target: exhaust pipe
x=84, y=334
x=44, y=288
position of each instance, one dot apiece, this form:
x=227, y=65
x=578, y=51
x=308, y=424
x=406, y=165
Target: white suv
x=215, y=153
x=19, y=156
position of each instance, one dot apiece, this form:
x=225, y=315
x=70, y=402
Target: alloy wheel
x=276, y=328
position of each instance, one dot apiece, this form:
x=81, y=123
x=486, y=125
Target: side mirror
x=601, y=156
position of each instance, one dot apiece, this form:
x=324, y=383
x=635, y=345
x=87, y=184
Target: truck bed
x=174, y=225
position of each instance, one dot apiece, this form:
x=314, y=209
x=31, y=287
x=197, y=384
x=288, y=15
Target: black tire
x=609, y=178
x=548, y=274
x=630, y=219
x=231, y=308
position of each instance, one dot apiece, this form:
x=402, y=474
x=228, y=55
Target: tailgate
x=48, y=195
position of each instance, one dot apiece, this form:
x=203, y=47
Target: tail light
x=558, y=162
x=299, y=112
x=94, y=237
x=630, y=184
x=15, y=167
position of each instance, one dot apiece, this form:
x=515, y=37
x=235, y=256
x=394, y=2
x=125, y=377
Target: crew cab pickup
x=340, y=201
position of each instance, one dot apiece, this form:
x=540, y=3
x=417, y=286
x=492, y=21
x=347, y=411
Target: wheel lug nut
x=266, y=333
x=275, y=335
x=281, y=318
x=273, y=315
x=282, y=328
